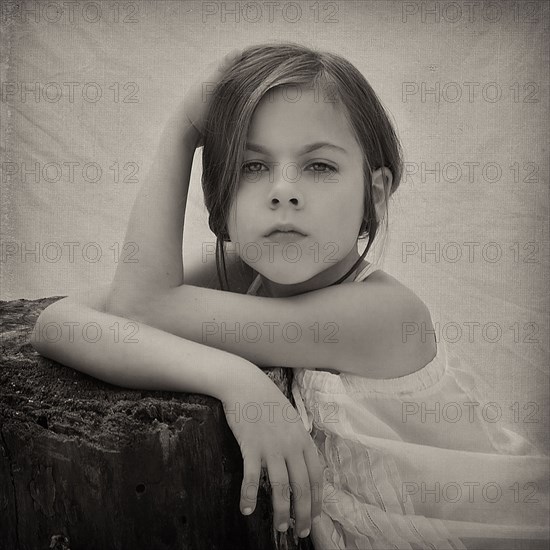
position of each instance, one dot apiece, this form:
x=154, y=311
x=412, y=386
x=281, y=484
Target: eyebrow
x=307, y=149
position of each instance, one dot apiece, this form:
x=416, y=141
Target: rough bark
x=88, y=465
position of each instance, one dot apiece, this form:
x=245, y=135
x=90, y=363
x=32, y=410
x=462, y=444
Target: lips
x=285, y=237
x=285, y=229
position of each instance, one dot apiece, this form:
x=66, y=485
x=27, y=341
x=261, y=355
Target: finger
x=301, y=494
x=280, y=494
x=315, y=473
x=249, y=488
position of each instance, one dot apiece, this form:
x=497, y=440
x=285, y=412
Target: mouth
x=285, y=236
x=285, y=230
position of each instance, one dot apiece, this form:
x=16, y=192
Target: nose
x=285, y=192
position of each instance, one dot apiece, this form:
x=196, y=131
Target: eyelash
x=330, y=168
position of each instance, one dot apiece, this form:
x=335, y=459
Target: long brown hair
x=234, y=99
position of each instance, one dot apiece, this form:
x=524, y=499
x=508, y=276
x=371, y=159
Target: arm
x=157, y=218
x=355, y=328
x=141, y=357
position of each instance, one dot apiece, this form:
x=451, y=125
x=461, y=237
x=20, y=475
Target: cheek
x=237, y=220
x=348, y=208
x=346, y=215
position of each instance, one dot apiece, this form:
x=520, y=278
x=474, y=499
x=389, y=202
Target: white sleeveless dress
x=413, y=463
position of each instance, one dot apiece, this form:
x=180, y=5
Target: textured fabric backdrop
x=86, y=90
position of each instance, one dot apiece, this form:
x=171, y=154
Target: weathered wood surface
x=85, y=465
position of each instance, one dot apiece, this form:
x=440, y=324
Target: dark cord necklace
x=353, y=267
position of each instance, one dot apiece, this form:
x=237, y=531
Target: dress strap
x=253, y=288
x=365, y=272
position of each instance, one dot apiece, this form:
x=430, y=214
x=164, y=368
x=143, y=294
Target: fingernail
x=304, y=533
x=247, y=511
x=316, y=519
x=282, y=527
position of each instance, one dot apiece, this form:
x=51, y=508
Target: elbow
x=40, y=336
x=52, y=325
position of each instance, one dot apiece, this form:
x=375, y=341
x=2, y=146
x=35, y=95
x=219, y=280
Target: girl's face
x=302, y=167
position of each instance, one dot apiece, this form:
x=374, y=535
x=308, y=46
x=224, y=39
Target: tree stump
x=85, y=465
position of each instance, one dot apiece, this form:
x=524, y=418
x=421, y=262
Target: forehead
x=291, y=115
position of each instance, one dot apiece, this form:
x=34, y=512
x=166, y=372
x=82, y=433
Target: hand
x=196, y=101
x=270, y=433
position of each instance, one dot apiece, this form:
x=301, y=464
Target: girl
x=299, y=162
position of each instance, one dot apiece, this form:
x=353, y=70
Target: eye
x=247, y=165
x=327, y=167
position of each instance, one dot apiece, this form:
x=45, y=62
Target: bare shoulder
x=416, y=340
x=386, y=281
x=396, y=326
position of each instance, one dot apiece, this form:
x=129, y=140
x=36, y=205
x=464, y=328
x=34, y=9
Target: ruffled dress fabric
x=419, y=462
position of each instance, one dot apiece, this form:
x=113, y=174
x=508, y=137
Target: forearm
x=134, y=355
x=157, y=217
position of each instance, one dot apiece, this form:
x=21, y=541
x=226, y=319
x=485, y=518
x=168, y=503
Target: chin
x=285, y=273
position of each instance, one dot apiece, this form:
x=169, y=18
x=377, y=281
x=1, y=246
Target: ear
x=381, y=184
